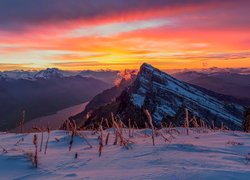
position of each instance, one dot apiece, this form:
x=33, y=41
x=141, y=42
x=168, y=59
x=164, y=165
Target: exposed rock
x=166, y=97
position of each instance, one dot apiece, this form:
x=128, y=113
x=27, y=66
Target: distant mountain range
x=107, y=76
x=212, y=70
x=46, y=91
x=227, y=83
x=43, y=93
x=165, y=97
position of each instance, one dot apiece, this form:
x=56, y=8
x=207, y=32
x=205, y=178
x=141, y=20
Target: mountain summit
x=166, y=98
x=49, y=73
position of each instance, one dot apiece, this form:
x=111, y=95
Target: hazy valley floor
x=53, y=121
x=203, y=154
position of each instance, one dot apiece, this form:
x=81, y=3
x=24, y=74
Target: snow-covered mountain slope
x=49, y=73
x=26, y=76
x=19, y=74
x=106, y=76
x=3, y=76
x=33, y=75
x=166, y=97
x=203, y=154
x=167, y=94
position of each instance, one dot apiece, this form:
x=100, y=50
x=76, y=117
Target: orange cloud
x=168, y=37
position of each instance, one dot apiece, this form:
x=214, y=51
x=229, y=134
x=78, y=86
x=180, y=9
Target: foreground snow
x=202, y=154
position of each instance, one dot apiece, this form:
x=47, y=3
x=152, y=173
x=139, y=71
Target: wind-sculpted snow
x=203, y=154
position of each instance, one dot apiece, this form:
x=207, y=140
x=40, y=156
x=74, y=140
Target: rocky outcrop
x=166, y=98
x=246, y=121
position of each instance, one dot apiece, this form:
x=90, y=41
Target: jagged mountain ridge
x=107, y=76
x=49, y=73
x=166, y=97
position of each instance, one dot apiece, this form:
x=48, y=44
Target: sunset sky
x=118, y=34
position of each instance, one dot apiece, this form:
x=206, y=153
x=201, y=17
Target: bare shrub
x=73, y=133
x=83, y=137
x=151, y=124
x=19, y=141
x=118, y=134
x=247, y=157
x=107, y=139
x=4, y=150
x=107, y=123
x=41, y=143
x=100, y=140
x=35, y=158
x=186, y=123
x=22, y=121
x=129, y=126
x=234, y=143
x=46, y=145
x=246, y=121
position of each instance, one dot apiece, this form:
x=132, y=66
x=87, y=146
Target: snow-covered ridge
x=18, y=74
x=32, y=75
x=49, y=74
x=104, y=75
x=165, y=95
x=3, y=75
x=166, y=99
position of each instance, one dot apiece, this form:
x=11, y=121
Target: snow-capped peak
x=3, y=76
x=164, y=95
x=49, y=73
x=166, y=98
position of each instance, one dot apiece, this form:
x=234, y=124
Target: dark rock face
x=103, y=99
x=166, y=97
x=246, y=122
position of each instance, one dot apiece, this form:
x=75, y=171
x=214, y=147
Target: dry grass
x=4, y=150
x=22, y=121
x=100, y=139
x=35, y=157
x=234, y=143
x=46, y=145
x=73, y=133
x=107, y=139
x=186, y=123
x=122, y=137
x=151, y=124
x=119, y=135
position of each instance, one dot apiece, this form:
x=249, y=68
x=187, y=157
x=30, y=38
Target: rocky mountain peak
x=166, y=98
x=49, y=73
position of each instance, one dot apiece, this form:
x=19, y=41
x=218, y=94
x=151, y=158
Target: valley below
x=53, y=121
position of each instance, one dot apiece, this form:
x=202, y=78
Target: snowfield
x=203, y=154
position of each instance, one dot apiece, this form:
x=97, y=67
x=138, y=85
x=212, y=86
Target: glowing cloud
x=119, y=34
